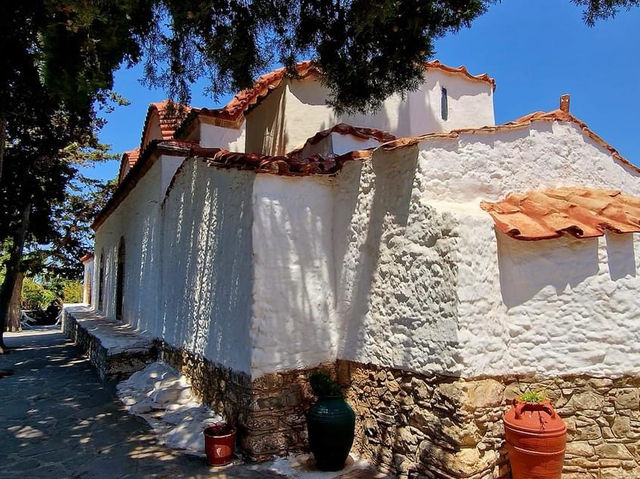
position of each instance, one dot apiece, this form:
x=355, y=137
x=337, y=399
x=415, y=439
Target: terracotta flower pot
x=219, y=444
x=536, y=440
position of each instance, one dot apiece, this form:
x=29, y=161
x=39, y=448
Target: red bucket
x=536, y=440
x=219, y=444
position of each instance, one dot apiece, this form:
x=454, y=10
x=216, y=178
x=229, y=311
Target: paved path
x=58, y=421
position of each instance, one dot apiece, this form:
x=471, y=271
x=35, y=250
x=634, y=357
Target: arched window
x=120, y=279
x=101, y=282
x=444, y=105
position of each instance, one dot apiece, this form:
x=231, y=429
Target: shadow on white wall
x=527, y=267
x=621, y=255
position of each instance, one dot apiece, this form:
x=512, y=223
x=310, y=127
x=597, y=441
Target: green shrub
x=323, y=386
x=536, y=396
x=72, y=292
x=36, y=295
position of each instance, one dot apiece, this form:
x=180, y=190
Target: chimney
x=565, y=101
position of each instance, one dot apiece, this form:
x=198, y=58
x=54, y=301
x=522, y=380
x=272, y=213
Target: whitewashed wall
x=426, y=285
x=470, y=106
x=232, y=139
x=564, y=306
x=396, y=260
x=205, y=299
x=137, y=219
x=392, y=262
x=297, y=110
x=338, y=144
x=188, y=274
x=293, y=321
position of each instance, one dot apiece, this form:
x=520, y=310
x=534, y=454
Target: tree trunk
x=3, y=139
x=13, y=270
x=13, y=320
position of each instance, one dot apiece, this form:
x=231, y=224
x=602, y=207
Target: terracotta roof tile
x=286, y=165
x=170, y=114
x=581, y=212
x=233, y=112
x=345, y=129
x=127, y=161
x=461, y=70
x=523, y=122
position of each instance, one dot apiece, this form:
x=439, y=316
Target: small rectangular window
x=444, y=105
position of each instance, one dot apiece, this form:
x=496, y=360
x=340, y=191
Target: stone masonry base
x=419, y=426
x=414, y=425
x=114, y=353
x=437, y=427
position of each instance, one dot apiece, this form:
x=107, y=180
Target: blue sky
x=536, y=51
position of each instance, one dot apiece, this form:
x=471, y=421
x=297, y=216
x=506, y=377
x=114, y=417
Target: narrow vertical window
x=101, y=282
x=120, y=279
x=444, y=105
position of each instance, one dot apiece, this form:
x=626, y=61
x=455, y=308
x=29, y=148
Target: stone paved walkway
x=58, y=421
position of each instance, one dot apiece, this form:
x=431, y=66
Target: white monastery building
x=436, y=263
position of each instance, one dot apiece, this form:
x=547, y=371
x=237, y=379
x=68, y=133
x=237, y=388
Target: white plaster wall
x=338, y=144
x=470, y=106
x=87, y=281
x=232, y=139
x=563, y=306
x=188, y=269
x=396, y=268
x=266, y=125
x=138, y=220
x=488, y=166
x=293, y=322
x=205, y=298
x=342, y=144
x=423, y=283
x=306, y=112
x=392, y=262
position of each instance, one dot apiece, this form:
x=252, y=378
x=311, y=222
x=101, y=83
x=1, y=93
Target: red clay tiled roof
x=523, y=122
x=461, y=70
x=286, y=165
x=170, y=114
x=246, y=99
x=147, y=157
x=127, y=161
x=581, y=212
x=345, y=129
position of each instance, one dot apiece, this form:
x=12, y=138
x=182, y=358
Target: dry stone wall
x=441, y=427
x=269, y=412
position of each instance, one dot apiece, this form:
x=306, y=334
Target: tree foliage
x=603, y=9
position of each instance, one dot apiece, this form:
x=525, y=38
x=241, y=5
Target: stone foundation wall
x=224, y=390
x=110, y=366
x=413, y=425
x=420, y=426
x=268, y=411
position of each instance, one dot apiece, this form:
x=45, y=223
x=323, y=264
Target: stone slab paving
x=57, y=420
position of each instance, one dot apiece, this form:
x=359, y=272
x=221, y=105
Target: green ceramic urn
x=331, y=424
